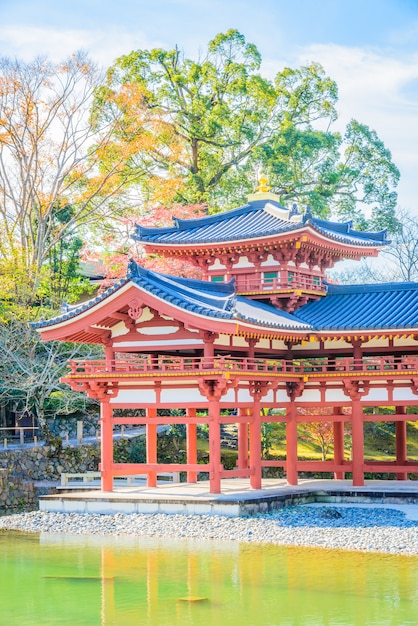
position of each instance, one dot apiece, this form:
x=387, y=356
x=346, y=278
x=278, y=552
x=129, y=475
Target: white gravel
x=348, y=528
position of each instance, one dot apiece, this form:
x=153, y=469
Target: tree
x=398, y=262
x=58, y=170
x=403, y=251
x=334, y=174
x=229, y=121
x=30, y=371
x=321, y=432
x=114, y=249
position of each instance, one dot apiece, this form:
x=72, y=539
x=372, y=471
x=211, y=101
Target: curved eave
x=307, y=234
x=88, y=327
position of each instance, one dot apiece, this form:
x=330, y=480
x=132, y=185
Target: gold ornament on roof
x=263, y=186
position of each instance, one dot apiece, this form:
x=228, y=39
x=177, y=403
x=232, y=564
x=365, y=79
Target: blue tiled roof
x=256, y=219
x=364, y=307
x=213, y=300
x=344, y=308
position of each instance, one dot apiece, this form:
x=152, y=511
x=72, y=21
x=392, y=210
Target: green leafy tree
x=229, y=121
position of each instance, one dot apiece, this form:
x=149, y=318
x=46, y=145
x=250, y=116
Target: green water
x=54, y=580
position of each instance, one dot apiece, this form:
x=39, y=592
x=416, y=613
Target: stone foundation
x=16, y=493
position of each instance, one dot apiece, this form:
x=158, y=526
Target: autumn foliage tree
x=60, y=171
x=320, y=432
x=114, y=249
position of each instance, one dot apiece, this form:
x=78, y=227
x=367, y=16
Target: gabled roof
x=364, y=307
x=344, y=308
x=207, y=299
x=259, y=218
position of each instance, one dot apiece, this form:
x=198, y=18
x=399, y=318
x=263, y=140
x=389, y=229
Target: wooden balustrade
x=311, y=367
x=301, y=282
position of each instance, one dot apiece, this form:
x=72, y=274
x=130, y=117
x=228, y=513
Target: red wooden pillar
x=291, y=445
x=214, y=445
x=255, y=446
x=208, y=349
x=401, y=445
x=357, y=353
x=110, y=356
x=106, y=445
x=251, y=351
x=151, y=447
x=191, y=446
x=357, y=443
x=242, y=462
x=338, y=444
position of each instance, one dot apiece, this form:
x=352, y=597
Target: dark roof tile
x=256, y=219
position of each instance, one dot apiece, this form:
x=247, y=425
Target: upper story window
x=269, y=279
x=290, y=277
x=217, y=279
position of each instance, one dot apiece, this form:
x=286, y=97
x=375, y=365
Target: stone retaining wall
x=15, y=493
x=20, y=468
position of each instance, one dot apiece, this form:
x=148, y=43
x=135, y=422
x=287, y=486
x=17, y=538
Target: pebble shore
x=367, y=530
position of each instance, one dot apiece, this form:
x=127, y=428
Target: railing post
x=79, y=432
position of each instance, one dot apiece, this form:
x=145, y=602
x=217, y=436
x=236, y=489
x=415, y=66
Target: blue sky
x=368, y=46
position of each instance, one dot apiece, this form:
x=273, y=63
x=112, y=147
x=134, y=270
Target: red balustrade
x=298, y=282
x=312, y=368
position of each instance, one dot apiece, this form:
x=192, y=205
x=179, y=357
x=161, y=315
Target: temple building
x=264, y=337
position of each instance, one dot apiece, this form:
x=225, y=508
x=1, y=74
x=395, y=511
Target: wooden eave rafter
x=363, y=335
x=307, y=238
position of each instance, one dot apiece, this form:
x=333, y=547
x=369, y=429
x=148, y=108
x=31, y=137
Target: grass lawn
x=379, y=443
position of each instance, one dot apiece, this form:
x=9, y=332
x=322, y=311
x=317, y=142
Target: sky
x=369, y=47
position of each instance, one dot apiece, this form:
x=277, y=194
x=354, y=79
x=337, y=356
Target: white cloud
x=104, y=46
x=375, y=89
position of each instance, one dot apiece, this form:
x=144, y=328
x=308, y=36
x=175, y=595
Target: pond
x=54, y=580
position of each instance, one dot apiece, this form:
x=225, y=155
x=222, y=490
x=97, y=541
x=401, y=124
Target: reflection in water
x=117, y=581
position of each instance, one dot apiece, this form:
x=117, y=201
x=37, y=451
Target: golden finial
x=263, y=186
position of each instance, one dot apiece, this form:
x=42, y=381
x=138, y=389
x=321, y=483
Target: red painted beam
x=128, y=469
x=235, y=473
x=391, y=466
x=160, y=420
x=323, y=466
x=271, y=463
